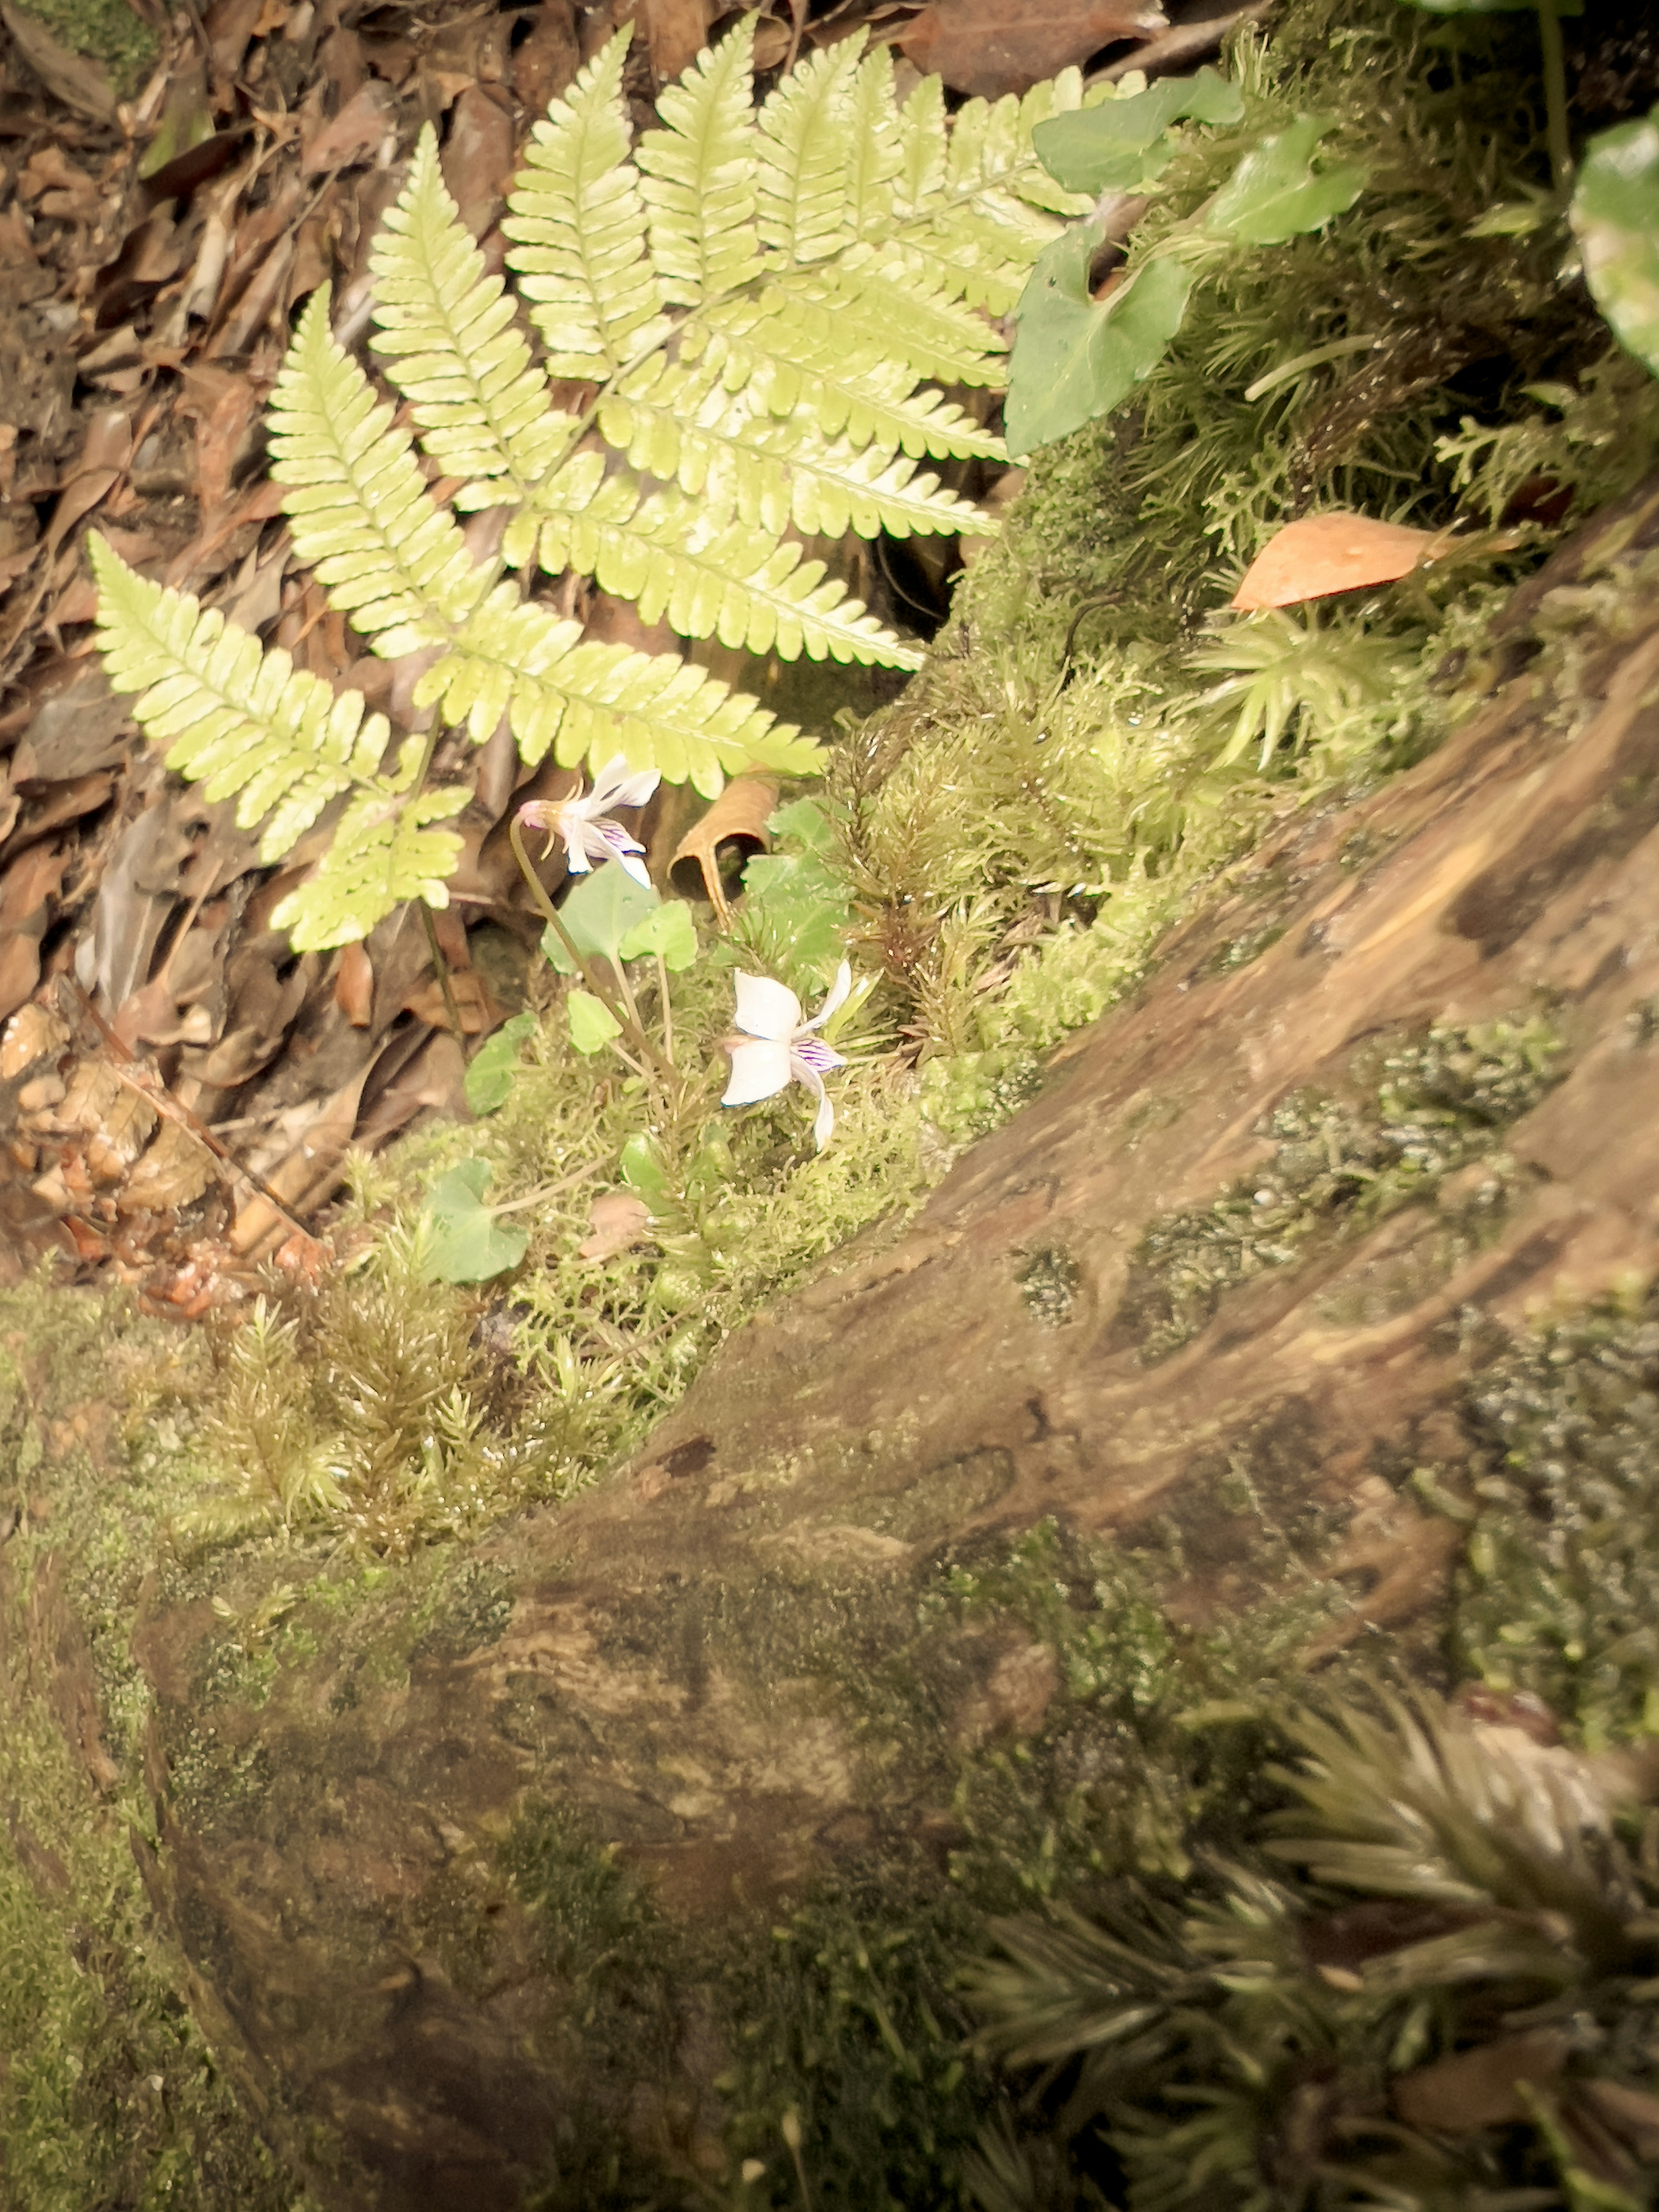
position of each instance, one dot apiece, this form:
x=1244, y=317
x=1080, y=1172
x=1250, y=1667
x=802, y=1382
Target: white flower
x=582, y=821
x=783, y=1049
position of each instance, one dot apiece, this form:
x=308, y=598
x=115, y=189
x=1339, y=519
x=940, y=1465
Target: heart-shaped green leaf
x=1615, y=217
x=1105, y=148
x=1075, y=357
x=599, y=914
x=1276, y=193
x=669, y=930
x=593, y=1024
x=490, y=1078
x=468, y=1244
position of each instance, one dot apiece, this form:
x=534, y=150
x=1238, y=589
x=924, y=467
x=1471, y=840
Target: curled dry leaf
x=354, y=986
x=990, y=47
x=615, y=1219
x=1320, y=554
x=739, y=817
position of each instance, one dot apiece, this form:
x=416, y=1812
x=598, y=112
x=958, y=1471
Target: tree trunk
x=1220, y=1284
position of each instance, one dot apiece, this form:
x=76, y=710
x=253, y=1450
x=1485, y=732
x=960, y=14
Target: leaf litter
x=179, y=1093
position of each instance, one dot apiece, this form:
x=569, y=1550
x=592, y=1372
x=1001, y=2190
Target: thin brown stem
x=441, y=970
x=622, y=1009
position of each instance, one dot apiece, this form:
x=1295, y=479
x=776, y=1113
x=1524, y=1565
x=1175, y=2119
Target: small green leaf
x=599, y=914
x=1104, y=149
x=641, y=1168
x=1615, y=217
x=670, y=930
x=489, y=1080
x=593, y=1024
x=468, y=1246
x=1076, y=356
x=794, y=911
x=1276, y=193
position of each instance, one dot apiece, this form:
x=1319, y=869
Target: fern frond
x=676, y=421
x=360, y=512
x=876, y=155
x=715, y=578
x=792, y=360
x=577, y=221
x=700, y=175
x=891, y=298
x=239, y=720
x=447, y=333
x=384, y=853
x=591, y=701
x=804, y=145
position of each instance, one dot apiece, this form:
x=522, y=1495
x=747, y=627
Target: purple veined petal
x=839, y=991
x=760, y=1070
x=767, y=1009
x=613, y=842
x=810, y=1052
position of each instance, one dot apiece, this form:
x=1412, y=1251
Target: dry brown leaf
x=1320, y=554
x=990, y=47
x=355, y=132
x=473, y=1003
x=543, y=65
x=738, y=817
x=174, y=1172
x=477, y=156
x=616, y=1219
x=1479, y=2088
x=32, y=1033
x=354, y=986
x=675, y=33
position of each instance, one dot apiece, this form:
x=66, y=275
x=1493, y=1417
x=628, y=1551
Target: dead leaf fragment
x=1479, y=2088
x=738, y=817
x=990, y=47
x=355, y=132
x=616, y=1219
x=1320, y=554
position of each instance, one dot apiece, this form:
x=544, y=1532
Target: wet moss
x=106, y=30
x=1338, y=1164
x=1559, y=1592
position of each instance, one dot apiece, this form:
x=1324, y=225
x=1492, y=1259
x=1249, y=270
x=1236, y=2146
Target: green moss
x=107, y=30
x=1339, y=1165
x=1559, y=1592
x=109, y=2094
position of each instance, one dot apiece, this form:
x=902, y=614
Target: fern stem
x=667, y=1011
x=441, y=970
x=625, y=1012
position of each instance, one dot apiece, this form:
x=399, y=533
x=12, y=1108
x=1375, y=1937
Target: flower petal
x=758, y=1071
x=824, y=1120
x=838, y=994
x=767, y=1009
x=812, y=1052
x=618, y=785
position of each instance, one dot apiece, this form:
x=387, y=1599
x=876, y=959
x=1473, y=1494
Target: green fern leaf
x=384, y=853
x=447, y=332
x=793, y=360
x=892, y=299
x=359, y=509
x=590, y=702
x=675, y=422
x=239, y=720
x=876, y=155
x=805, y=139
x=700, y=175
x=578, y=222
x=714, y=577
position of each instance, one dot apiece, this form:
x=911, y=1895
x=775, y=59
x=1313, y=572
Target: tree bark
x=672, y=1661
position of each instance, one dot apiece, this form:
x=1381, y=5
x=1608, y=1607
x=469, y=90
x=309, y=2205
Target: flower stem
x=1555, y=93
x=624, y=1009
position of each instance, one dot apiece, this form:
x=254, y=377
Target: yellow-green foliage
x=761, y=304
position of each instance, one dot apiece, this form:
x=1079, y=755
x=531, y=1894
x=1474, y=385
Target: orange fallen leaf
x=1337, y=552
